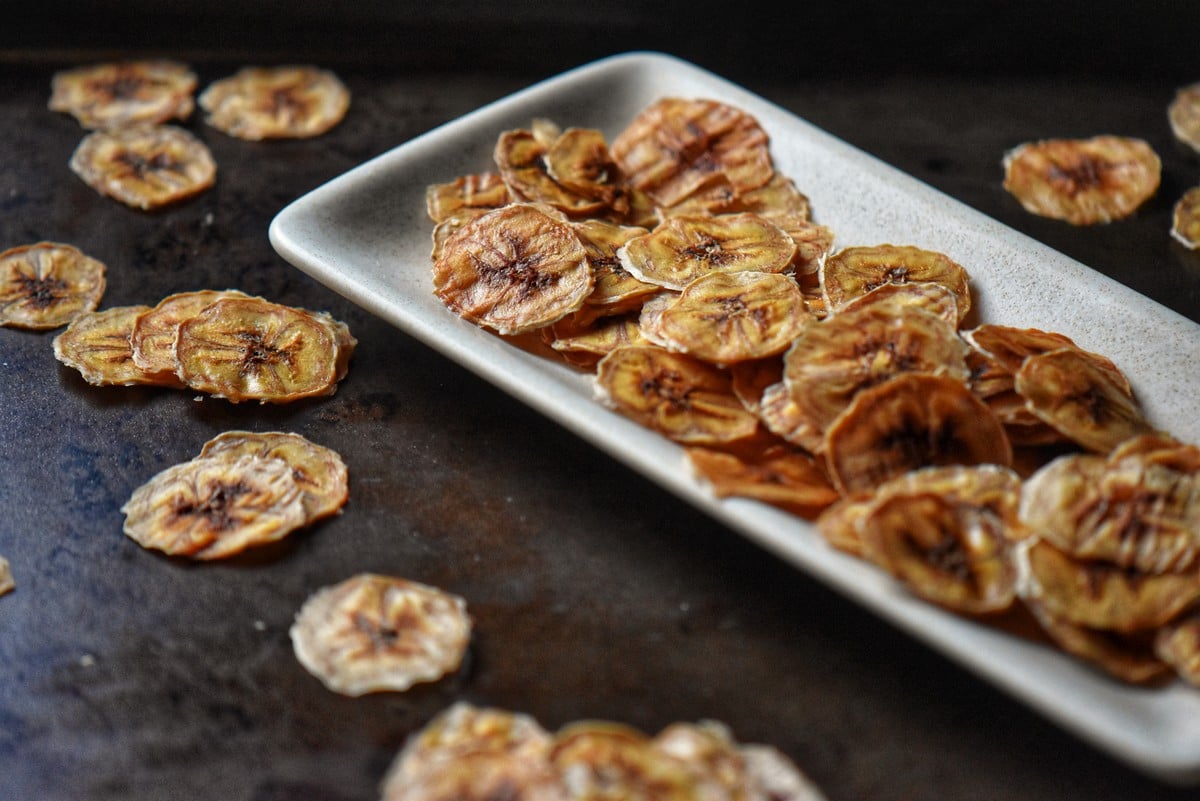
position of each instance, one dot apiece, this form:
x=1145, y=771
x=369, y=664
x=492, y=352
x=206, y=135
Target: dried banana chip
x=1178, y=645
x=97, y=345
x=1183, y=114
x=47, y=285
x=1185, y=219
x=779, y=475
x=1010, y=347
x=286, y=102
x=727, y=318
x=6, y=578
x=513, y=270
x=250, y=349
x=145, y=166
x=154, y=332
x=615, y=291
x=855, y=271
x=752, y=378
x=684, y=248
x=579, y=160
x=216, y=506
x=584, y=345
x=1083, y=181
x=477, y=192
x=925, y=295
x=681, y=397
x=1128, y=657
x=482, y=776
x=910, y=421
x=522, y=161
x=319, y=471
x=771, y=774
x=115, y=94
x=375, y=633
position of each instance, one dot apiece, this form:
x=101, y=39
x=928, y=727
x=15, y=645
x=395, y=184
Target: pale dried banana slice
x=780, y=475
x=376, y=633
x=479, y=191
x=1130, y=658
x=684, y=248
x=681, y=397
x=727, y=318
x=145, y=166
x=284, y=102
x=97, y=345
x=319, y=471
x=482, y=776
x=7, y=584
x=1183, y=114
x=1011, y=346
x=1083, y=181
x=585, y=345
x=909, y=421
x=154, y=332
x=250, y=349
x=928, y=296
x=615, y=290
x=1177, y=643
x=579, y=160
x=771, y=774
x=215, y=507
x=47, y=285
x=854, y=271
x=513, y=270
x=114, y=94
x=1185, y=219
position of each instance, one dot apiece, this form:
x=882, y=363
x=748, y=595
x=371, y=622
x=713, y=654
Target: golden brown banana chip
x=1178, y=645
x=684, y=248
x=154, y=332
x=6, y=578
x=480, y=191
x=1083, y=181
x=1080, y=399
x=677, y=146
x=145, y=166
x=778, y=474
x=855, y=271
x=752, y=378
x=513, y=270
x=650, y=316
x=114, y=94
x=584, y=345
x=375, y=633
x=727, y=318
x=925, y=295
x=579, y=160
x=319, y=471
x=481, y=776
x=1010, y=347
x=784, y=417
x=47, y=285
x=284, y=102
x=250, y=349
x=1183, y=114
x=216, y=506
x=1128, y=657
x=522, y=161
x=97, y=345
x=838, y=522
x=1185, y=219
x=909, y=421
x=709, y=747
x=615, y=291
x=681, y=397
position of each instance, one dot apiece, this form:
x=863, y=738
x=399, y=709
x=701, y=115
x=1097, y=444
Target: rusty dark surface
x=128, y=675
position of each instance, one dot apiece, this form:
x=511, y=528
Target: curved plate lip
x=365, y=235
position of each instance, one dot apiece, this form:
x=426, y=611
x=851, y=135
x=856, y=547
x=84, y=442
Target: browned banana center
x=216, y=509
x=41, y=292
x=1083, y=174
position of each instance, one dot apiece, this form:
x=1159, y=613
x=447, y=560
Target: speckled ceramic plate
x=366, y=236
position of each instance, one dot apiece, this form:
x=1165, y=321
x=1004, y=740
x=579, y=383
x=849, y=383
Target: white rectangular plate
x=366, y=236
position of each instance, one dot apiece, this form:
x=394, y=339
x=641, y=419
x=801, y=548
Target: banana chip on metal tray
x=47, y=285
x=154, y=332
x=145, y=166
x=115, y=94
x=283, y=102
x=97, y=344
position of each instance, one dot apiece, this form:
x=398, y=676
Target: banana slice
x=1178, y=645
x=115, y=94
x=215, y=507
x=924, y=295
x=250, y=349
x=7, y=584
x=375, y=633
x=153, y=337
x=615, y=290
x=513, y=270
x=97, y=345
x=774, y=473
x=47, y=285
x=579, y=160
x=725, y=318
x=479, y=191
x=1130, y=658
x=684, y=248
x=752, y=378
x=1185, y=219
x=676, y=147
x=284, y=102
x=910, y=421
x=521, y=159
x=1183, y=114
x=681, y=397
x=319, y=471
x=855, y=271
x=145, y=166
x=1010, y=347
x=584, y=345
x=1083, y=181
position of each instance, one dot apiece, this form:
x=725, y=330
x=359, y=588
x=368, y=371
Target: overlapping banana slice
x=1185, y=219
x=1083, y=181
x=284, y=102
x=1183, y=114
x=145, y=166
x=115, y=94
x=522, y=160
x=152, y=339
x=615, y=291
x=476, y=192
x=1177, y=644
x=772, y=472
x=7, y=584
x=855, y=271
x=47, y=285
x=583, y=343
x=376, y=633
x=97, y=345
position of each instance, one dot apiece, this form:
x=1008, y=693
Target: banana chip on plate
x=854, y=271
x=285, y=102
x=47, y=285
x=145, y=166
x=1185, y=219
x=155, y=331
x=115, y=94
x=776, y=473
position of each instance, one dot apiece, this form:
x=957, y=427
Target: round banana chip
x=376, y=633
x=1185, y=219
x=482, y=191
x=779, y=475
x=684, y=248
x=855, y=271
x=115, y=94
x=250, y=349
x=1083, y=181
x=681, y=397
x=928, y=296
x=154, y=333
x=286, y=102
x=216, y=506
x=513, y=270
x=319, y=471
x=615, y=291
x=522, y=161
x=1183, y=114
x=145, y=166
x=47, y=285
x=1130, y=658
x=97, y=345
